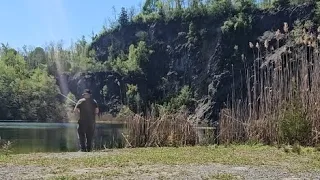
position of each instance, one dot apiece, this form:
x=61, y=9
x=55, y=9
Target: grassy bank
x=120, y=162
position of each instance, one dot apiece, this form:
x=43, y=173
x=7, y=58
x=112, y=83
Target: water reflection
x=56, y=137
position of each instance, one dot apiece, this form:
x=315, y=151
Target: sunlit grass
x=308, y=160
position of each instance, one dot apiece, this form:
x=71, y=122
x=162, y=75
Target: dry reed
x=167, y=129
x=288, y=76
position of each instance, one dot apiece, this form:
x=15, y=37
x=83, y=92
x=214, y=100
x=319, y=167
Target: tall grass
x=282, y=103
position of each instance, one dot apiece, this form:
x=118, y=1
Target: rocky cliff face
x=209, y=66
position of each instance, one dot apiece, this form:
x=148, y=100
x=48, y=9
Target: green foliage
x=220, y=9
x=162, y=10
x=242, y=21
x=133, y=97
x=142, y=35
x=286, y=3
x=195, y=4
x=37, y=58
x=70, y=97
x=5, y=147
x=245, y=6
x=56, y=59
x=81, y=59
x=298, y=29
x=133, y=62
x=317, y=12
x=184, y=98
x=150, y=6
x=294, y=125
x=296, y=148
x=132, y=90
x=104, y=91
x=192, y=34
x=27, y=95
x=147, y=18
x=125, y=112
x=281, y=3
x=266, y=4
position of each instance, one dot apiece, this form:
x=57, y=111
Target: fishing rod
x=68, y=98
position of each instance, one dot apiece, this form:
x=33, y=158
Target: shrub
x=184, y=98
x=294, y=125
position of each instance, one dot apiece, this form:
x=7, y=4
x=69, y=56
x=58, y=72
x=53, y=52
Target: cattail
x=301, y=40
x=285, y=27
x=304, y=31
x=305, y=39
x=250, y=45
x=278, y=33
x=312, y=37
x=266, y=44
x=257, y=45
x=305, y=42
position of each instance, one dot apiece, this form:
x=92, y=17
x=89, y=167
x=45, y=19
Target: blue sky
x=36, y=22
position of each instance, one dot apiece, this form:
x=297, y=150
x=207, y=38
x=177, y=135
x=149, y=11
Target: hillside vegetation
x=179, y=56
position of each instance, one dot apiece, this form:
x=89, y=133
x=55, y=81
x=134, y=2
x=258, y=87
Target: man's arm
x=76, y=108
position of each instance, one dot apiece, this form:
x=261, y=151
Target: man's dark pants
x=86, y=133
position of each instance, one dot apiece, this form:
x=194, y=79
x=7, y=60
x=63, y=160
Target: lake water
x=56, y=137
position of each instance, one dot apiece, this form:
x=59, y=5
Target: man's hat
x=86, y=91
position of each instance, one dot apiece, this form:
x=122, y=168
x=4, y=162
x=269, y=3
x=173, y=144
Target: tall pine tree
x=123, y=19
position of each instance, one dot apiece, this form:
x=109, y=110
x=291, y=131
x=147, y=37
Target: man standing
x=88, y=108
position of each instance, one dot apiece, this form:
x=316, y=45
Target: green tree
x=192, y=34
x=133, y=62
x=150, y=6
x=37, y=57
x=184, y=98
x=123, y=18
x=25, y=94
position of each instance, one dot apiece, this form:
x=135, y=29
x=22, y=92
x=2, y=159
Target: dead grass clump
x=167, y=129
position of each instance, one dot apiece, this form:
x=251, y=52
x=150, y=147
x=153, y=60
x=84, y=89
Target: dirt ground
x=211, y=171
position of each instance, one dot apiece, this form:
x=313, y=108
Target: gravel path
x=146, y=172
x=22, y=172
